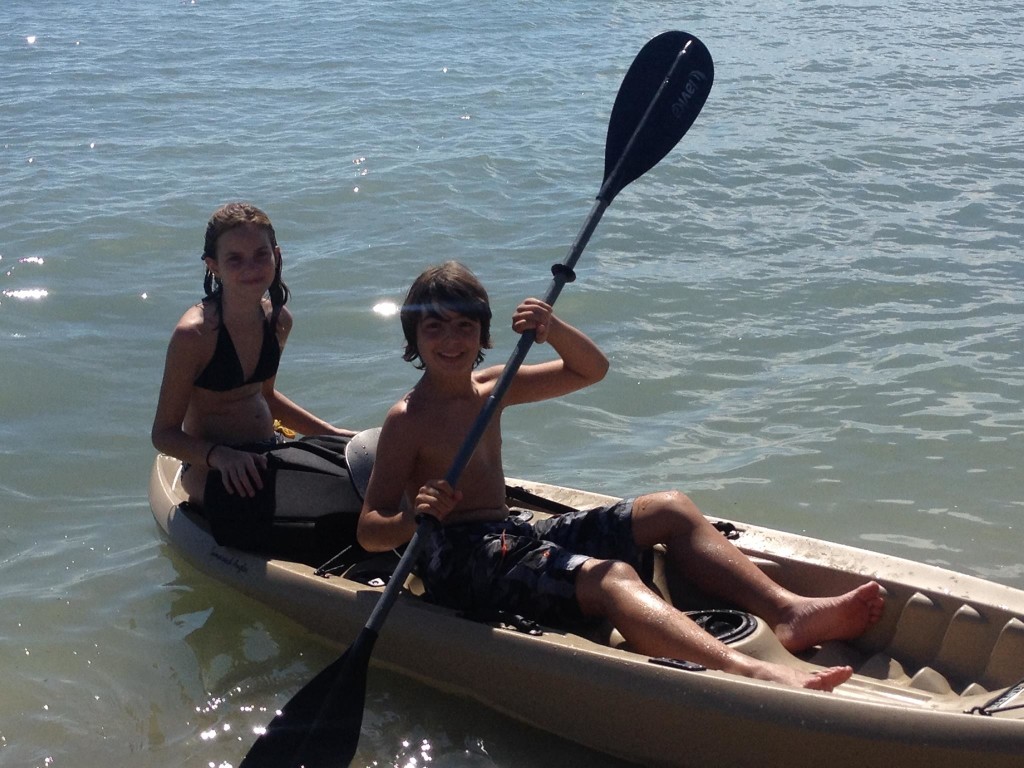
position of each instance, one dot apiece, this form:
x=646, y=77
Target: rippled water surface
x=813, y=307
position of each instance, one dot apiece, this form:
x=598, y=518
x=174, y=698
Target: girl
x=218, y=400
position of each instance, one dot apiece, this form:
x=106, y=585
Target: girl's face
x=246, y=261
x=448, y=341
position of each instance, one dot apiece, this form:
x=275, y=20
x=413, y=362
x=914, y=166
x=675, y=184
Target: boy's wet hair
x=448, y=287
x=226, y=218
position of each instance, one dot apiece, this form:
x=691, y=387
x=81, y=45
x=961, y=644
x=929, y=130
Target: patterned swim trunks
x=527, y=568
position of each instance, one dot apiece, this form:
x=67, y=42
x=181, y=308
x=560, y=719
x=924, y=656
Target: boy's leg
x=712, y=563
x=613, y=590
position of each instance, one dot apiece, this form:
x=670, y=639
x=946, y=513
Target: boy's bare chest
x=445, y=440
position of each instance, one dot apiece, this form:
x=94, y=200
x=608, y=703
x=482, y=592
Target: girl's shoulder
x=284, y=316
x=199, y=322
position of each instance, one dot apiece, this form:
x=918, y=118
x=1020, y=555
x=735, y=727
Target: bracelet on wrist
x=209, y=453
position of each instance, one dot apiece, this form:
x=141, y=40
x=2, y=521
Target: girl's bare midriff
x=235, y=417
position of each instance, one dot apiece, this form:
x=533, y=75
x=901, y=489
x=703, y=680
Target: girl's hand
x=437, y=499
x=534, y=315
x=240, y=471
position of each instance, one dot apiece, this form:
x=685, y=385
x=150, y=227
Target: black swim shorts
x=527, y=568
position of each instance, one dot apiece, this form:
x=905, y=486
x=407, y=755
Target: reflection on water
x=814, y=306
x=235, y=642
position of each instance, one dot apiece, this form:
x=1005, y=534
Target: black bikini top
x=224, y=371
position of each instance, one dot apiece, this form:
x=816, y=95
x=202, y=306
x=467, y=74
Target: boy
x=579, y=566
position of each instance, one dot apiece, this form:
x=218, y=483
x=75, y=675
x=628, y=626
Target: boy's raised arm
x=580, y=364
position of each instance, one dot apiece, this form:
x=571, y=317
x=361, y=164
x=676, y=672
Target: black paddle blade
x=319, y=726
x=662, y=94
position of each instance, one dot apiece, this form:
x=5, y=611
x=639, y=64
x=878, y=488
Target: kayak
x=939, y=681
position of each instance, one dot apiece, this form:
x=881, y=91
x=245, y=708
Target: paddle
x=659, y=99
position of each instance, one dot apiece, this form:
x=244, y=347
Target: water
x=813, y=307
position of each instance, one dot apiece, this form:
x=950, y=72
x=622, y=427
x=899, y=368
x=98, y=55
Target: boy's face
x=448, y=340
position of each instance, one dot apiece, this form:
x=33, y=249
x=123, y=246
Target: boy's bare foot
x=813, y=620
x=819, y=680
x=827, y=679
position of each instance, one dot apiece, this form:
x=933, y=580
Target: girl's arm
x=289, y=413
x=295, y=417
x=175, y=393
